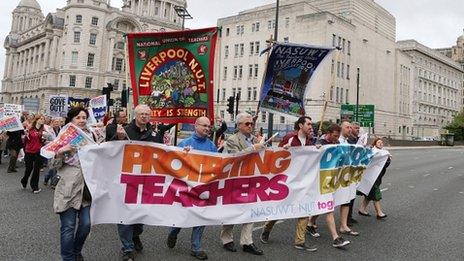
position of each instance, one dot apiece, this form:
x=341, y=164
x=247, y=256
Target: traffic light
x=107, y=91
x=124, y=98
x=230, y=105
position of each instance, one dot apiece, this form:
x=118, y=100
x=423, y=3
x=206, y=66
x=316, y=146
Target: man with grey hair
x=139, y=129
x=241, y=141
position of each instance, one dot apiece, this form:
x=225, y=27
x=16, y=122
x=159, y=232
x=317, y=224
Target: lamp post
x=182, y=12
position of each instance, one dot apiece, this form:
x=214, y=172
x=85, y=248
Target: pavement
x=423, y=195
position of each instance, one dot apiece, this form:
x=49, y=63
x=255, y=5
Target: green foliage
x=457, y=126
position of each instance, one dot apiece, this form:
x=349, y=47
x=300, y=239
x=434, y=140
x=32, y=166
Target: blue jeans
x=195, y=240
x=72, y=241
x=50, y=174
x=126, y=233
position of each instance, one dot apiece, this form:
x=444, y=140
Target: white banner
x=137, y=182
x=12, y=109
x=58, y=106
x=11, y=123
x=369, y=178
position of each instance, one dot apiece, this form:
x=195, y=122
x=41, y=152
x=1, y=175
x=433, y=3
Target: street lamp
x=270, y=125
x=182, y=12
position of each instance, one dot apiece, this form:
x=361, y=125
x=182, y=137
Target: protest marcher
x=160, y=129
x=345, y=208
x=241, y=141
x=375, y=194
x=120, y=117
x=72, y=198
x=3, y=139
x=301, y=138
x=14, y=144
x=55, y=129
x=218, y=130
x=198, y=141
x=353, y=139
x=138, y=129
x=33, y=142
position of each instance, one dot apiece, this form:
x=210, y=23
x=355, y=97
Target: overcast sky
x=431, y=22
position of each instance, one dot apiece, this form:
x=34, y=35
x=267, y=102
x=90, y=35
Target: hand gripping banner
x=136, y=182
x=172, y=72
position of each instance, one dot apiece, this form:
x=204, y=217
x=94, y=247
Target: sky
x=436, y=24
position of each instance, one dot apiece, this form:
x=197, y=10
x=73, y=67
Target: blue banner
x=289, y=70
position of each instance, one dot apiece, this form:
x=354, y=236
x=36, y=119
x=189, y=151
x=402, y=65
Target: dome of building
x=29, y=3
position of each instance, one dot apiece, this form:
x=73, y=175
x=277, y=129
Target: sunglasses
x=248, y=124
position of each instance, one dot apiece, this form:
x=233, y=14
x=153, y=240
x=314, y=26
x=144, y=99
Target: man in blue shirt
x=198, y=141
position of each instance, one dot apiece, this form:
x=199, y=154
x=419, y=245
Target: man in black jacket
x=138, y=129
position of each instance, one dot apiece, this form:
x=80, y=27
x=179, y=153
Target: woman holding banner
x=33, y=142
x=375, y=194
x=72, y=198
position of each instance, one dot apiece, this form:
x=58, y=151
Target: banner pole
x=333, y=82
x=128, y=84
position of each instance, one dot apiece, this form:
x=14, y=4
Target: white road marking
x=261, y=227
x=461, y=192
x=410, y=186
x=435, y=189
x=450, y=168
x=384, y=189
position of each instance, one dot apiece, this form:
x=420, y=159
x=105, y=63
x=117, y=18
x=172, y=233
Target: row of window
x=339, y=93
x=341, y=70
x=435, y=110
x=256, y=26
x=92, y=38
x=432, y=88
x=117, y=63
x=89, y=80
x=252, y=93
x=433, y=77
x=437, y=100
x=253, y=70
x=342, y=43
x=433, y=66
x=239, y=49
x=94, y=20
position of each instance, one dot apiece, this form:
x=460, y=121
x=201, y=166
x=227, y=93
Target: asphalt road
x=423, y=195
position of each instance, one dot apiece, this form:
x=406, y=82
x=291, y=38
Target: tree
x=457, y=126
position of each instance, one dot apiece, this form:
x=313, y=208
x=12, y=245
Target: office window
x=249, y=94
x=238, y=30
x=223, y=94
x=257, y=26
x=255, y=93
x=78, y=19
x=341, y=95
x=285, y=39
x=253, y=27
x=227, y=31
x=93, y=39
x=339, y=41
x=88, y=82
x=282, y=119
x=240, y=71
x=72, y=80
x=250, y=70
x=349, y=48
x=287, y=22
x=334, y=40
x=252, y=48
x=235, y=72
x=225, y=73
x=94, y=20
x=256, y=70
x=77, y=37
x=332, y=67
x=331, y=93
x=90, y=59
x=226, y=51
x=347, y=71
x=336, y=95
x=343, y=70
x=343, y=45
x=263, y=116
x=116, y=84
x=338, y=69
x=242, y=29
x=236, y=50
x=242, y=49
x=118, y=65
x=257, y=47
x=234, y=91
x=74, y=56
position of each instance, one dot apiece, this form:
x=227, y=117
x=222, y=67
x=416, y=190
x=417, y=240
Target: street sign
x=365, y=114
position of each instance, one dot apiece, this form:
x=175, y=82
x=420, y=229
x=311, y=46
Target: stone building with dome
x=78, y=49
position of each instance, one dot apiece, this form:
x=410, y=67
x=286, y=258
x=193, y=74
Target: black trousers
x=13, y=159
x=33, y=164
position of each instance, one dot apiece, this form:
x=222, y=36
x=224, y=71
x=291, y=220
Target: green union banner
x=172, y=72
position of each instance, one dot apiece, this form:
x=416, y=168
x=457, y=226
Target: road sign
x=365, y=114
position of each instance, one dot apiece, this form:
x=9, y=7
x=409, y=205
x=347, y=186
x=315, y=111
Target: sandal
x=350, y=233
x=364, y=214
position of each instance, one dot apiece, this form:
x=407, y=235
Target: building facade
x=78, y=49
x=437, y=88
x=363, y=30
